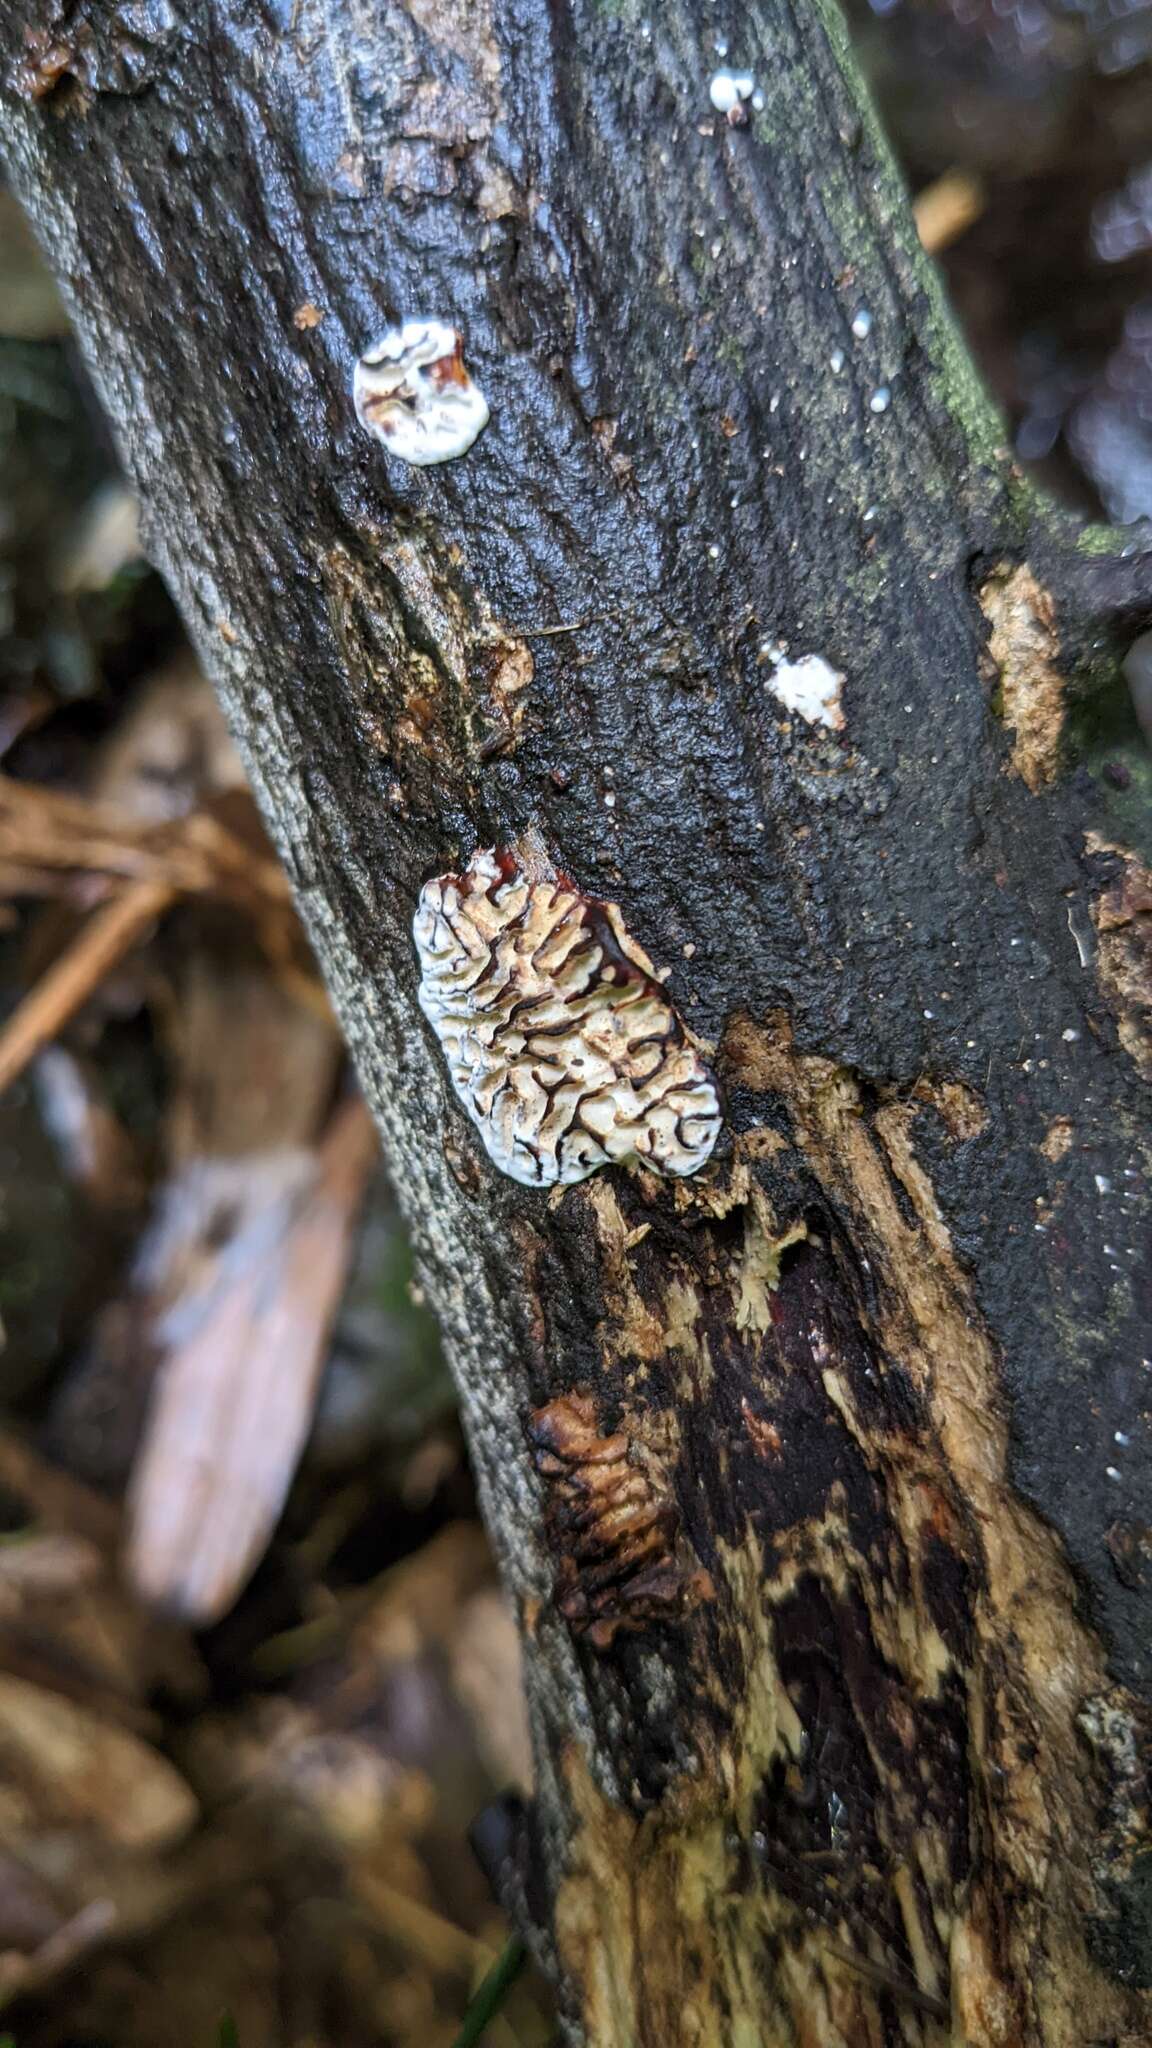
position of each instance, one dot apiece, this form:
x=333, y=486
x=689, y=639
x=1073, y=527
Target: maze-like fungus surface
x=562, y=1045
x=412, y=390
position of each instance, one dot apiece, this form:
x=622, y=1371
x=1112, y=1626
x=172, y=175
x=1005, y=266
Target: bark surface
x=819, y=1480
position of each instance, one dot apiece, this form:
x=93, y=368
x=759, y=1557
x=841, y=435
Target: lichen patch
x=1023, y=647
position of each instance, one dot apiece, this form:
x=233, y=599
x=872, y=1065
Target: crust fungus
x=624, y=1561
x=561, y=1043
x=412, y=391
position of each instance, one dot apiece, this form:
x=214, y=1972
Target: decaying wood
x=873, y=1384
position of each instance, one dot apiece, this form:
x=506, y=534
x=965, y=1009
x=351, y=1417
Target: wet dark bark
x=874, y=1769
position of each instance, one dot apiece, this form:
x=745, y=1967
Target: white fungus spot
x=836, y=361
x=561, y=1044
x=880, y=400
x=1103, y=1184
x=412, y=391
x=728, y=91
x=812, y=687
x=862, y=324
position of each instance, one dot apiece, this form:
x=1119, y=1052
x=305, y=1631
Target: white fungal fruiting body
x=728, y=90
x=561, y=1043
x=812, y=687
x=412, y=391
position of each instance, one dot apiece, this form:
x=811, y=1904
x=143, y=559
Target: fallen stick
x=101, y=943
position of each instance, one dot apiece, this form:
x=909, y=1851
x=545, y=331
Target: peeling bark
x=818, y=1477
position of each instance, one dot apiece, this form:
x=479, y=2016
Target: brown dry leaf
x=415, y=1607
x=234, y=1398
x=487, y=1675
x=66, y=1619
x=170, y=818
x=105, y=541
x=30, y=309
x=54, y=1499
x=168, y=803
x=50, y=1567
x=62, y=1766
x=68, y=1940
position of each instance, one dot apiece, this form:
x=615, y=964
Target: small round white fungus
x=729, y=89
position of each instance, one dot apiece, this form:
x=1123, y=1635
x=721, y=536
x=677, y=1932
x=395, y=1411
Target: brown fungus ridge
x=613, y=1525
x=1024, y=648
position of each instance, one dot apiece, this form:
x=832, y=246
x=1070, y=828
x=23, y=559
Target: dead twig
x=101, y=943
x=195, y=856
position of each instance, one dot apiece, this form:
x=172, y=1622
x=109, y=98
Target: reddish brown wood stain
x=623, y=1562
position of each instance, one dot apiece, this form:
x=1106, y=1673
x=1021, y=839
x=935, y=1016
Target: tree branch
x=873, y=1367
